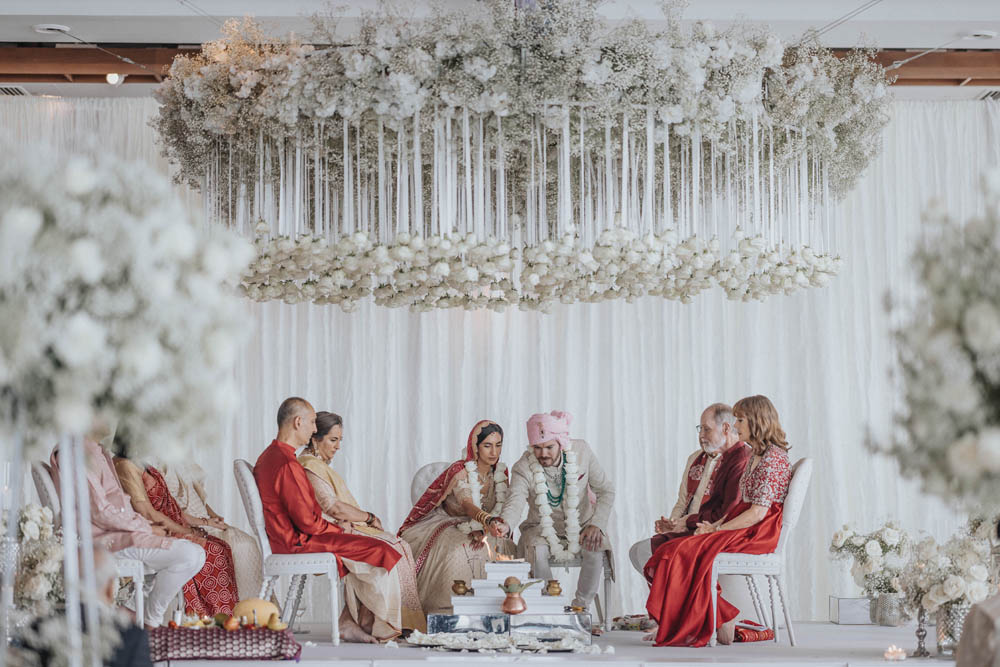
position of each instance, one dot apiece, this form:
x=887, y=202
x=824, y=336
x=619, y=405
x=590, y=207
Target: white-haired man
x=709, y=486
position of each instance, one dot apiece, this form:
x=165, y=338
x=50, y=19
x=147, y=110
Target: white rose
x=873, y=549
x=982, y=327
x=891, y=536
x=874, y=566
x=538, y=477
x=857, y=541
x=979, y=573
x=839, y=538
x=30, y=529
x=894, y=561
x=37, y=587
x=540, y=489
x=977, y=591
x=954, y=587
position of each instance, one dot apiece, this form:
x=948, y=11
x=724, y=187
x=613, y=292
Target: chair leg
x=607, y=603
x=712, y=639
x=784, y=605
x=600, y=610
x=774, y=606
x=140, y=601
x=334, y=578
x=758, y=604
x=295, y=588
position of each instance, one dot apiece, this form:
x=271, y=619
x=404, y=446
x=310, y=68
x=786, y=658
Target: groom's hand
x=590, y=538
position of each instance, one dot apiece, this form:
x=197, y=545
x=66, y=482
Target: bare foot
x=651, y=637
x=352, y=632
x=727, y=633
x=648, y=625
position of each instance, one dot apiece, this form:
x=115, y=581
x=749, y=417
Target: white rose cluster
x=38, y=583
x=112, y=304
x=878, y=558
x=451, y=271
x=949, y=359
x=938, y=576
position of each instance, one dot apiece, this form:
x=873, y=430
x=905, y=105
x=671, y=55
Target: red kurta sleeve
x=296, y=492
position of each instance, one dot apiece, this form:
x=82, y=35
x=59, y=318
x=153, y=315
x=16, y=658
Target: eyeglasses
x=698, y=428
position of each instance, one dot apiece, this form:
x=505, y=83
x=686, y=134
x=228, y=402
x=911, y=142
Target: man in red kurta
x=294, y=520
x=710, y=485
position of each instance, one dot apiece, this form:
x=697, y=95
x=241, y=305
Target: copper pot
x=553, y=588
x=459, y=587
x=513, y=604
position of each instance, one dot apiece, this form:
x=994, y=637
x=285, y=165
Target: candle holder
x=921, y=633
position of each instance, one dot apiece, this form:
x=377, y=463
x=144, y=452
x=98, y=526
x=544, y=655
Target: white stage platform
x=821, y=644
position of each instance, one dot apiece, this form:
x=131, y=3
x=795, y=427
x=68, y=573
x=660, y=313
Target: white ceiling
x=912, y=24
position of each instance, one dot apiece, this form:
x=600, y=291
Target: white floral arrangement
x=475, y=487
x=948, y=432
x=347, y=152
x=49, y=637
x=939, y=576
x=879, y=557
x=112, y=305
x=250, y=88
x=570, y=502
x=38, y=586
x=449, y=271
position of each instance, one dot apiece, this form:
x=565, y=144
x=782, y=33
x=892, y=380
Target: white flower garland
x=571, y=501
x=476, y=489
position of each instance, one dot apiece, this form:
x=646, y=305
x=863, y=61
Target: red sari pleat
x=680, y=576
x=213, y=590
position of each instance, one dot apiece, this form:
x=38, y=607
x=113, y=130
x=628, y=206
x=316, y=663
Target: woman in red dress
x=680, y=571
x=213, y=590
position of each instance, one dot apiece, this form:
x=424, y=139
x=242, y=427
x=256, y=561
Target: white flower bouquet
x=948, y=433
x=879, y=557
x=113, y=305
x=38, y=586
x=939, y=576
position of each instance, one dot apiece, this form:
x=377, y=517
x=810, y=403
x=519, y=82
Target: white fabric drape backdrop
x=635, y=376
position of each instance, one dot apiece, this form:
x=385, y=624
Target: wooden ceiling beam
x=85, y=60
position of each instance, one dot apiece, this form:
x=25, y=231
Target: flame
x=489, y=551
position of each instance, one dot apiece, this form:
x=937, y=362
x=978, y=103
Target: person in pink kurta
x=119, y=529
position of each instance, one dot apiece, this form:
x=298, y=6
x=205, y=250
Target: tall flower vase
x=887, y=609
x=950, y=620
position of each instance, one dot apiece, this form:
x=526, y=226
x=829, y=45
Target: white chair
x=41, y=473
x=298, y=566
x=428, y=473
x=770, y=565
x=423, y=478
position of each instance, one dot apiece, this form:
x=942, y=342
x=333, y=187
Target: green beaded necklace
x=556, y=501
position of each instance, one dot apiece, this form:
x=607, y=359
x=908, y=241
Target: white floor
x=818, y=644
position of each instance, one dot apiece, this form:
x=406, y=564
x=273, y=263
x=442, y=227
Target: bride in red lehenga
x=680, y=571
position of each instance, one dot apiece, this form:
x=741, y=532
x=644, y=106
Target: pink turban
x=553, y=426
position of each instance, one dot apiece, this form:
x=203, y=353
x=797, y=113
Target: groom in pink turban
x=569, y=499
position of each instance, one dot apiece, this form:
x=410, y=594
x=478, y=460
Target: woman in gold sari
x=340, y=506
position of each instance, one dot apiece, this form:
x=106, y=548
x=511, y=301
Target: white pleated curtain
x=635, y=376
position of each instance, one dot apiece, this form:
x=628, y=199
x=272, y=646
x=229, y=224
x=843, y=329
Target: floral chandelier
x=523, y=156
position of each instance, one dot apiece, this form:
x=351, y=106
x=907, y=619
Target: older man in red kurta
x=295, y=524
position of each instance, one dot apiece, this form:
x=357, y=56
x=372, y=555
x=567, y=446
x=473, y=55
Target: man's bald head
x=296, y=421
x=291, y=408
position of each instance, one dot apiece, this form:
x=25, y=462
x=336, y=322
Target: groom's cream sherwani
x=521, y=493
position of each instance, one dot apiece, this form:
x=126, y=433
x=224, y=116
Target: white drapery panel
x=635, y=376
